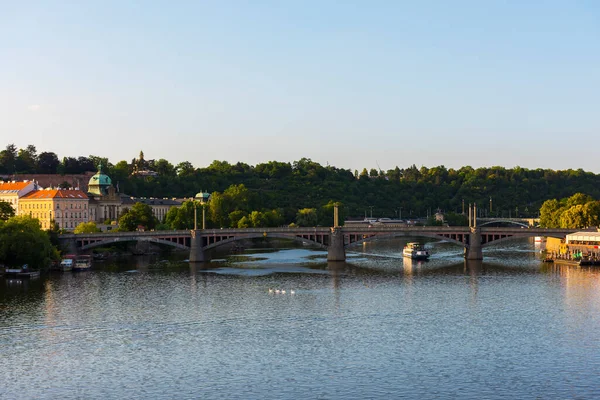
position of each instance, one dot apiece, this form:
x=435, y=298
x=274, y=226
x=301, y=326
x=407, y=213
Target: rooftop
x=56, y=193
x=13, y=186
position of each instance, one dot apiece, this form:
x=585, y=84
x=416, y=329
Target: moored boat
x=82, y=263
x=66, y=264
x=416, y=251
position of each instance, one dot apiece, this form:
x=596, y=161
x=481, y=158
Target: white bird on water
x=292, y=291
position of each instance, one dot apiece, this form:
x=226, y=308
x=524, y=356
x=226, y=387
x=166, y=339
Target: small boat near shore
x=23, y=272
x=82, y=263
x=66, y=264
x=415, y=251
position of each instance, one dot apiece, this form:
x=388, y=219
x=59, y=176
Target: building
x=68, y=208
x=11, y=192
x=106, y=204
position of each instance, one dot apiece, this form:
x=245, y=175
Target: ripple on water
x=372, y=328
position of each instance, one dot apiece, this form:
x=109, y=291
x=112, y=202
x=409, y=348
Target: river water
x=375, y=327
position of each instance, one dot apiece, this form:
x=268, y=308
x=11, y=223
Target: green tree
x=27, y=160
x=183, y=217
x=235, y=217
x=244, y=222
x=257, y=219
x=306, y=217
x=23, y=242
x=550, y=214
x=184, y=169
x=87, y=227
x=6, y=210
x=140, y=214
x=8, y=158
x=578, y=199
x=47, y=163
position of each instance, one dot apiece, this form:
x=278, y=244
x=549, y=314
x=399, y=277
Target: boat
x=416, y=251
x=12, y=271
x=66, y=264
x=23, y=272
x=82, y=263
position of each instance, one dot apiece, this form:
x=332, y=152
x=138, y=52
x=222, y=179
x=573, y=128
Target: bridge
x=473, y=239
x=527, y=222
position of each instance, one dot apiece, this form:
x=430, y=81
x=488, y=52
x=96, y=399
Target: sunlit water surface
x=377, y=326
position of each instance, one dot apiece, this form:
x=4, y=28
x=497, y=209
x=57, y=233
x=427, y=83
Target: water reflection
x=173, y=330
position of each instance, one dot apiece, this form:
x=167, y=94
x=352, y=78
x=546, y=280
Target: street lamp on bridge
x=203, y=198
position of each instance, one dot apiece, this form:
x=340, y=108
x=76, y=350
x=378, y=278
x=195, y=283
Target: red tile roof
x=51, y=194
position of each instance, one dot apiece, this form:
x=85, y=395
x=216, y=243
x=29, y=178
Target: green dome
x=99, y=183
x=100, y=179
x=202, y=196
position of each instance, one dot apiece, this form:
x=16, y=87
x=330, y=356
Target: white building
x=12, y=191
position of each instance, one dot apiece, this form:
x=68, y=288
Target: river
x=375, y=327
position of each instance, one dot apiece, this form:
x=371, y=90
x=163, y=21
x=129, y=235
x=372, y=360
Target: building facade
x=11, y=192
x=68, y=208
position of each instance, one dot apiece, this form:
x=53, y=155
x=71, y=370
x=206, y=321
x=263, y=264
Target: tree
x=165, y=168
x=182, y=217
x=306, y=217
x=86, y=164
x=550, y=214
x=8, y=158
x=235, y=217
x=96, y=162
x=23, y=242
x=47, y=163
x=70, y=165
x=27, y=160
x=140, y=214
x=6, y=210
x=185, y=168
x=87, y=227
x=219, y=209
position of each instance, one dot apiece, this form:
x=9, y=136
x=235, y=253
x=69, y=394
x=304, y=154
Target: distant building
x=107, y=204
x=68, y=208
x=11, y=192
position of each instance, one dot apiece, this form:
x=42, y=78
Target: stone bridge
x=335, y=240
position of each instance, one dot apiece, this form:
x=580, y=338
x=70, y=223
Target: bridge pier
x=473, y=252
x=197, y=254
x=335, y=250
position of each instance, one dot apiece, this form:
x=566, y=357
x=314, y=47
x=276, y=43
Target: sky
x=352, y=84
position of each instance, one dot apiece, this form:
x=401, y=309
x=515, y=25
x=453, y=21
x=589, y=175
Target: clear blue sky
x=350, y=83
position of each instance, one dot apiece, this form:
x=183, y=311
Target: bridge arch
x=523, y=235
x=110, y=241
x=409, y=234
x=263, y=236
x=504, y=221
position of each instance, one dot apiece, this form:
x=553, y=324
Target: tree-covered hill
x=409, y=192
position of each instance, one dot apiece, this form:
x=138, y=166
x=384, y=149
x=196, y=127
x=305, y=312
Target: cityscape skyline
x=354, y=86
